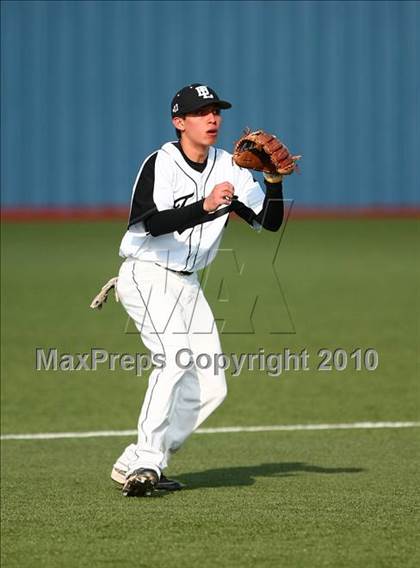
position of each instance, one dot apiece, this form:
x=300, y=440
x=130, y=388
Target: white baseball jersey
x=166, y=181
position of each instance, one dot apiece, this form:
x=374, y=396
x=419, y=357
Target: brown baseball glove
x=264, y=152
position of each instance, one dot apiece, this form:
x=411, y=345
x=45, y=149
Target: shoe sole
x=118, y=476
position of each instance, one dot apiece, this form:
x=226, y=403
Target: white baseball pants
x=176, y=322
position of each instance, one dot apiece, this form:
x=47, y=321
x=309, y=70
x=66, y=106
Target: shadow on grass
x=245, y=475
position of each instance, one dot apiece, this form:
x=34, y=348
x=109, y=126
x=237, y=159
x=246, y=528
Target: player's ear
x=178, y=123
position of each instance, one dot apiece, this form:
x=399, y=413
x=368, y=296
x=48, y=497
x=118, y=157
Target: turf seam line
x=220, y=430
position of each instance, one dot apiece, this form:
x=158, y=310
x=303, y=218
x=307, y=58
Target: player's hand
x=221, y=194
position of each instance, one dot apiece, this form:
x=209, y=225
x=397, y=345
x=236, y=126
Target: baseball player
x=180, y=205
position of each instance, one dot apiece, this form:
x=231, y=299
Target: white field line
x=227, y=429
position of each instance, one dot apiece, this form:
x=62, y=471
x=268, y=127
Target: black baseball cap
x=195, y=96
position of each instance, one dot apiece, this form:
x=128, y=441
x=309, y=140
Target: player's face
x=202, y=126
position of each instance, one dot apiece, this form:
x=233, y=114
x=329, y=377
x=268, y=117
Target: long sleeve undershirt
x=179, y=219
x=170, y=220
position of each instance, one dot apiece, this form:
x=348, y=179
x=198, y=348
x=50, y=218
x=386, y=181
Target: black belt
x=183, y=272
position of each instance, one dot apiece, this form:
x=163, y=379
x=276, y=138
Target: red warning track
x=23, y=214
x=121, y=213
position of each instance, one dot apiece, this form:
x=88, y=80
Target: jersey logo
x=181, y=201
x=203, y=91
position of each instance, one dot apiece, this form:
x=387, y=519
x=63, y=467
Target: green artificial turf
x=320, y=498
x=261, y=499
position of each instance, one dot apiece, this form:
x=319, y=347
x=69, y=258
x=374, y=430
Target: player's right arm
x=171, y=220
x=152, y=201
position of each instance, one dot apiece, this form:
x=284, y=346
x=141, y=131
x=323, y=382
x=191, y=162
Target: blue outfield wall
x=86, y=90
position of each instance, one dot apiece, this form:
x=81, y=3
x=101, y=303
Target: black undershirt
x=197, y=166
x=170, y=220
